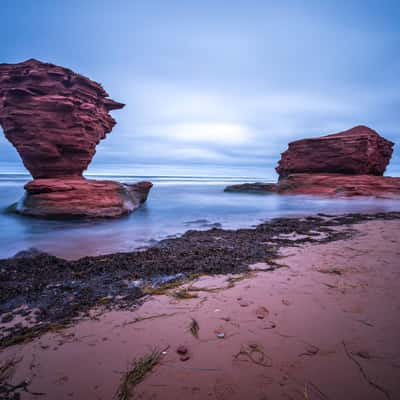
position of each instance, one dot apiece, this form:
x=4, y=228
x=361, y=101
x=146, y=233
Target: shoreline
x=45, y=293
x=322, y=326
x=165, y=216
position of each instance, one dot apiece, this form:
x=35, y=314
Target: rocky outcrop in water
x=349, y=163
x=359, y=150
x=79, y=197
x=327, y=185
x=55, y=118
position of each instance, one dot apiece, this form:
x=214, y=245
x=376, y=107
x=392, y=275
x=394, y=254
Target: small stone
x=221, y=335
x=311, y=350
x=182, y=350
x=184, y=357
x=262, y=312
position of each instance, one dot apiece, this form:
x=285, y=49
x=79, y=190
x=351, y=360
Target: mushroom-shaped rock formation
x=349, y=163
x=55, y=118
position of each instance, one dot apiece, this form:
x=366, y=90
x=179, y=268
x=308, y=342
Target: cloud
x=207, y=84
x=208, y=133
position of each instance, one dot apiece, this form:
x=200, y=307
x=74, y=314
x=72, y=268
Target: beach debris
x=136, y=372
x=311, y=350
x=7, y=369
x=262, y=312
x=286, y=302
x=243, y=303
x=145, y=318
x=182, y=349
x=255, y=353
x=234, y=279
x=269, y=325
x=334, y=271
x=194, y=328
x=10, y=391
x=221, y=335
x=310, y=389
x=363, y=373
x=183, y=294
x=192, y=288
x=184, y=357
x=330, y=285
x=7, y=318
x=183, y=353
x=362, y=354
x=26, y=334
x=163, y=289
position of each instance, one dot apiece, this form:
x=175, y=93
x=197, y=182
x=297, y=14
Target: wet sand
x=324, y=326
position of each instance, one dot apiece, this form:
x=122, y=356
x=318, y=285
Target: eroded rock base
x=327, y=185
x=70, y=197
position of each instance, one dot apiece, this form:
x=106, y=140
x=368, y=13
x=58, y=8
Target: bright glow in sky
x=218, y=85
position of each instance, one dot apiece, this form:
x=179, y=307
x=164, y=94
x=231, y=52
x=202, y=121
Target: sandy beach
x=199, y=200
x=323, y=326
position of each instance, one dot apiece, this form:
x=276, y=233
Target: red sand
x=335, y=336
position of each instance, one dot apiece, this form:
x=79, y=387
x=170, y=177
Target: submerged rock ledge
x=327, y=185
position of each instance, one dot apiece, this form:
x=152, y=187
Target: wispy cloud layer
x=207, y=84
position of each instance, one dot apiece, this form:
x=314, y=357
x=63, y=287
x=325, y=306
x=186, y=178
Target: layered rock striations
x=55, y=118
x=79, y=197
x=359, y=150
x=349, y=163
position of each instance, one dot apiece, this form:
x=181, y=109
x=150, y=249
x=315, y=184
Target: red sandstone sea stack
x=349, y=163
x=359, y=150
x=55, y=118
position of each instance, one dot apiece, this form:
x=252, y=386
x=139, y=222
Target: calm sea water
x=175, y=205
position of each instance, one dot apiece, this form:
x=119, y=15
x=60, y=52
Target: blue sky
x=218, y=87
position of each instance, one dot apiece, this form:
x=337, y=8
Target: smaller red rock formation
x=344, y=164
x=359, y=150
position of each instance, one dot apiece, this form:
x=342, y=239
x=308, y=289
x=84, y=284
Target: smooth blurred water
x=175, y=205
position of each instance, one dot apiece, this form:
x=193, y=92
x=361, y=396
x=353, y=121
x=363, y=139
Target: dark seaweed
x=60, y=291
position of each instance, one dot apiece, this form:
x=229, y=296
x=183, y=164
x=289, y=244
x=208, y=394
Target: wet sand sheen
x=326, y=327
